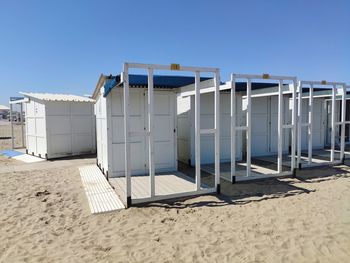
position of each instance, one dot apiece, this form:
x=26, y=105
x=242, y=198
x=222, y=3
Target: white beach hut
x=264, y=122
x=137, y=140
x=59, y=125
x=264, y=112
x=322, y=121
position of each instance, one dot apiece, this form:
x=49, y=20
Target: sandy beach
x=44, y=217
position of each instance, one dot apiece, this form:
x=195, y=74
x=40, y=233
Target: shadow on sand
x=260, y=190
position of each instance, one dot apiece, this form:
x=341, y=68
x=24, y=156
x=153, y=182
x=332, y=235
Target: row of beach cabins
x=163, y=135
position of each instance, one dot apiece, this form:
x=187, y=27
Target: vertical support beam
x=217, y=130
x=126, y=134
x=343, y=119
x=22, y=126
x=12, y=133
x=197, y=128
x=310, y=126
x=333, y=123
x=300, y=121
x=233, y=129
x=249, y=126
x=150, y=133
x=280, y=126
x=294, y=112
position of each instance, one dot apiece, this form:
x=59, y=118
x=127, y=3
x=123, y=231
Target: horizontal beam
x=263, y=76
x=340, y=122
x=207, y=131
x=287, y=126
x=266, y=92
x=24, y=100
x=241, y=128
x=139, y=133
x=171, y=67
x=322, y=83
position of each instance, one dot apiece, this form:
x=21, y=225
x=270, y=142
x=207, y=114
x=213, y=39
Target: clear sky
x=63, y=46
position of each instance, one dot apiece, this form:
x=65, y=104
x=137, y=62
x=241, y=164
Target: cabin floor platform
x=167, y=186
x=260, y=169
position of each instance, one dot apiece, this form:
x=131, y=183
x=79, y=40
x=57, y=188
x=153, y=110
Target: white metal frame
x=149, y=133
x=20, y=101
x=309, y=124
x=247, y=127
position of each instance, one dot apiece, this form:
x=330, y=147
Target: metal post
x=12, y=135
x=197, y=128
x=233, y=129
x=343, y=119
x=217, y=130
x=126, y=134
x=150, y=132
x=310, y=122
x=249, y=125
x=293, y=127
x=333, y=124
x=300, y=121
x=22, y=126
x=280, y=126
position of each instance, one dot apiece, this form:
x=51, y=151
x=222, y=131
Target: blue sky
x=63, y=46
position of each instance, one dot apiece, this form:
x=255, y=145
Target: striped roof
x=57, y=97
x=159, y=81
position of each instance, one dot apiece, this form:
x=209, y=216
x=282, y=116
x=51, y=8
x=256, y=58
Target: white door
x=164, y=131
x=207, y=121
x=264, y=125
x=318, y=124
x=328, y=112
x=260, y=126
x=137, y=124
x=274, y=124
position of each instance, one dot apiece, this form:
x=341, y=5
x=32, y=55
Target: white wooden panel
x=260, y=126
x=57, y=108
x=30, y=122
x=36, y=128
x=40, y=109
x=60, y=145
x=41, y=146
x=81, y=108
x=30, y=109
x=164, y=135
x=101, y=131
x=274, y=121
x=183, y=129
x=137, y=160
x=207, y=122
x=319, y=125
x=82, y=124
x=31, y=144
x=137, y=123
x=59, y=125
x=82, y=143
x=40, y=127
x=164, y=131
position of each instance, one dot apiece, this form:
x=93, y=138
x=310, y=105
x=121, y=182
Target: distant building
x=4, y=110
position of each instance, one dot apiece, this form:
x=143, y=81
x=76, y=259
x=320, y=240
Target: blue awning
x=159, y=82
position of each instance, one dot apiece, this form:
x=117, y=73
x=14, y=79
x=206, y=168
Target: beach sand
x=44, y=217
